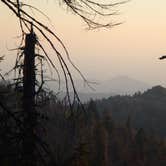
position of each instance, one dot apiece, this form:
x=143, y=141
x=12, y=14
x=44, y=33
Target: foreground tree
x=28, y=63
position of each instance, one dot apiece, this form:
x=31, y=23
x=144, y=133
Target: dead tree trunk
x=30, y=119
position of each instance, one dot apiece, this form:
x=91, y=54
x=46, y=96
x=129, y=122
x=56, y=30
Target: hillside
x=83, y=139
x=146, y=110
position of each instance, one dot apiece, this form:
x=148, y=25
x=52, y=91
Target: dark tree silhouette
x=27, y=66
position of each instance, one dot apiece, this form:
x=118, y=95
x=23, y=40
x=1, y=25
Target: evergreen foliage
x=81, y=141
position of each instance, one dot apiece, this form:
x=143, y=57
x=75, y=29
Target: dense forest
x=96, y=136
x=145, y=110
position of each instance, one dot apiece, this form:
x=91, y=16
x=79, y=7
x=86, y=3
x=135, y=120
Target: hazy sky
x=130, y=49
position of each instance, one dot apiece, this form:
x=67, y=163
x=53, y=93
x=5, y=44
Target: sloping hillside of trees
x=146, y=110
x=82, y=138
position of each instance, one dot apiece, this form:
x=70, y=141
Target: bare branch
x=88, y=10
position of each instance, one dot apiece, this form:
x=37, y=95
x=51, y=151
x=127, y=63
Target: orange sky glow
x=130, y=49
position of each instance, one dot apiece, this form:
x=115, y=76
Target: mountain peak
x=123, y=85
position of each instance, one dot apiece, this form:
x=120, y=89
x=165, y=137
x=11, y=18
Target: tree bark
x=29, y=113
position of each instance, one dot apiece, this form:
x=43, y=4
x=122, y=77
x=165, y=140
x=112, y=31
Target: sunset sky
x=131, y=49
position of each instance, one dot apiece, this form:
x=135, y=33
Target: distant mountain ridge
x=123, y=85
